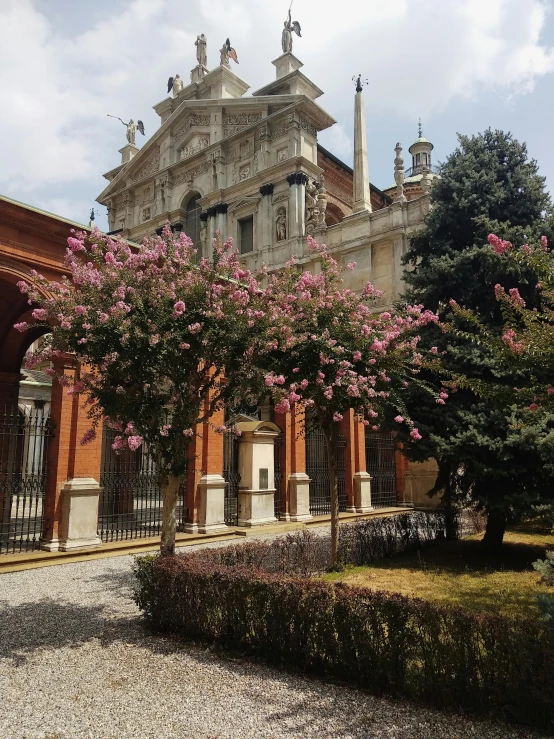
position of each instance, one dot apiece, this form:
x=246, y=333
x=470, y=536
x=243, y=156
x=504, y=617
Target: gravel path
x=76, y=662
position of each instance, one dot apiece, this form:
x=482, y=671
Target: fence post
x=72, y=489
x=295, y=481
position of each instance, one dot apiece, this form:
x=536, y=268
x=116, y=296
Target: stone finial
x=426, y=181
x=399, y=175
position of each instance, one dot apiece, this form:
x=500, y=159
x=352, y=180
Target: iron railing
x=131, y=502
x=317, y=469
x=380, y=454
x=24, y=438
x=278, y=472
x=232, y=477
x=418, y=169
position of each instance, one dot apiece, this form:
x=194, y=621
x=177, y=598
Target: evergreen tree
x=487, y=185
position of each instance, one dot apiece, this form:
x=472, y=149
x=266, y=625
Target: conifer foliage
x=487, y=185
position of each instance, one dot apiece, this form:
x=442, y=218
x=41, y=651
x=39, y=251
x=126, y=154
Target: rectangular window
x=246, y=235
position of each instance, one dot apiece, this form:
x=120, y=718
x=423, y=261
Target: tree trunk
x=170, y=490
x=331, y=440
x=494, y=533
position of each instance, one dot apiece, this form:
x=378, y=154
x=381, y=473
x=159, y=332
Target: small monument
x=290, y=27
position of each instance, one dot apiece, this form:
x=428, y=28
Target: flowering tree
x=156, y=335
x=526, y=341
x=328, y=352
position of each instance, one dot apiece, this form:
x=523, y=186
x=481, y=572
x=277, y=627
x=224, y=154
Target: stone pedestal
x=362, y=492
x=128, y=152
x=211, y=505
x=285, y=64
x=257, y=473
x=79, y=522
x=198, y=73
x=299, y=496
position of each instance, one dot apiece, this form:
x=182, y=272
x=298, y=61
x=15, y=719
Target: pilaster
x=297, y=198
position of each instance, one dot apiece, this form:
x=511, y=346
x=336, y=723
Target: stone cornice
x=316, y=115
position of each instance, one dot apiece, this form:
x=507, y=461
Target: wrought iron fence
x=380, y=454
x=317, y=469
x=278, y=472
x=232, y=477
x=24, y=438
x=131, y=505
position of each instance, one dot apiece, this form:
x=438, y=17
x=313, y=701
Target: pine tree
x=487, y=185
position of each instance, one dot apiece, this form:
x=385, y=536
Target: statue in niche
x=312, y=211
x=201, y=44
x=281, y=224
x=290, y=27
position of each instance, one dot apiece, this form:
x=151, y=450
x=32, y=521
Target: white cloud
x=419, y=57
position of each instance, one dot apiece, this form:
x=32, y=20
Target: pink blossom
x=550, y=391
x=153, y=340
x=414, y=433
x=357, y=356
x=21, y=326
x=195, y=328
x=89, y=436
x=533, y=407
x=304, y=384
x=269, y=380
x=516, y=297
x=39, y=314
x=280, y=380
x=184, y=345
x=178, y=308
x=103, y=317
x=188, y=432
x=337, y=417
x=434, y=350
x=399, y=419
x=133, y=442
x=544, y=243
x=75, y=244
x=80, y=310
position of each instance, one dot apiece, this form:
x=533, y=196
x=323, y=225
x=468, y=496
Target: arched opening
x=333, y=214
x=192, y=221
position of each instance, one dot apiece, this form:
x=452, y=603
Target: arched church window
x=192, y=224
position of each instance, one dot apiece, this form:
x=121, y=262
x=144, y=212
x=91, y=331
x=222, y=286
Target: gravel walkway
x=76, y=662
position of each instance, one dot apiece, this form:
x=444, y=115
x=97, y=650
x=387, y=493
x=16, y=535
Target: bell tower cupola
x=421, y=153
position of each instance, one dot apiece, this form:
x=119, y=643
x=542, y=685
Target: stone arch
x=333, y=214
x=14, y=308
x=191, y=209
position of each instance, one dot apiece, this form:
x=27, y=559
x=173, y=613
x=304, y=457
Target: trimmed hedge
x=360, y=543
x=381, y=642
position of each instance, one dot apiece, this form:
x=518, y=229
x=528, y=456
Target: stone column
x=296, y=482
x=221, y=219
x=72, y=491
x=362, y=478
x=362, y=198
x=257, y=473
x=297, y=203
x=266, y=220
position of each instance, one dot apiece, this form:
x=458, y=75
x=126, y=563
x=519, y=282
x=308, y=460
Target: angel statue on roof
x=290, y=26
x=131, y=128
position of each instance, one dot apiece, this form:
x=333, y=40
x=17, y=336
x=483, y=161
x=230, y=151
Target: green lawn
x=457, y=573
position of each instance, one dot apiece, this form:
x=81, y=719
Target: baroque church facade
x=251, y=167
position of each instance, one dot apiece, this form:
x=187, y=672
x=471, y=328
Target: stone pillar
x=267, y=225
x=296, y=506
x=211, y=486
x=358, y=480
x=256, y=469
x=72, y=491
x=362, y=199
x=221, y=219
x=128, y=152
x=297, y=199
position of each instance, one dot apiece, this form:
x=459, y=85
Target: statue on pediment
x=290, y=27
x=201, y=44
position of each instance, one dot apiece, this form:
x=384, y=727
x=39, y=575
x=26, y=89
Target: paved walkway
x=76, y=662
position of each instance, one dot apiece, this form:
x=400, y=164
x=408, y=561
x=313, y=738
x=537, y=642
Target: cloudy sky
x=462, y=65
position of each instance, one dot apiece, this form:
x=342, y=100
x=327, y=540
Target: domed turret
x=421, y=154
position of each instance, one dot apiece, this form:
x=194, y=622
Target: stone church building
x=250, y=167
